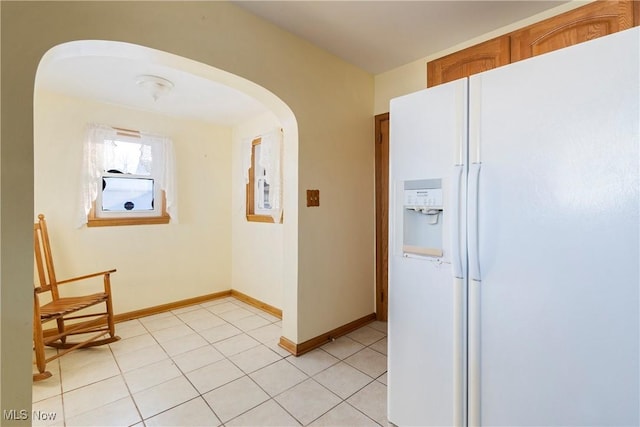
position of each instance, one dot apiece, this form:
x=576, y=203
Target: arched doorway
x=58, y=119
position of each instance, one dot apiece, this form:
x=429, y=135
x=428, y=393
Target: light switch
x=313, y=198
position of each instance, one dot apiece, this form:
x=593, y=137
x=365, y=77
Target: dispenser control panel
x=424, y=197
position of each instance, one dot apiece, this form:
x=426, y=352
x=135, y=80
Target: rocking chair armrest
x=40, y=289
x=88, y=276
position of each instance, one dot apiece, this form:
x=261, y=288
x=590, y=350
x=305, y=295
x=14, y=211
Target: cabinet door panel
x=475, y=59
x=579, y=25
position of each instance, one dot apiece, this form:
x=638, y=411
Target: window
x=128, y=178
x=264, y=180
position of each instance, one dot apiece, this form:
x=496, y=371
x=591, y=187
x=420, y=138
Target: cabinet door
x=475, y=59
x=585, y=23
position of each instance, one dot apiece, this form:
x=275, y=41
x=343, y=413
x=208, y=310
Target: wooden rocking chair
x=66, y=309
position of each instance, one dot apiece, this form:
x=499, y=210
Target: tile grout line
x=184, y=374
x=126, y=384
x=201, y=395
x=212, y=344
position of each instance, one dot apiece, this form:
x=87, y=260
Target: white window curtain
x=94, y=164
x=271, y=160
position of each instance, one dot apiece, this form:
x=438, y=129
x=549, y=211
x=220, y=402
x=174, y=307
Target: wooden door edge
x=380, y=291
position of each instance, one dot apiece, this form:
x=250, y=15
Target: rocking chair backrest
x=44, y=259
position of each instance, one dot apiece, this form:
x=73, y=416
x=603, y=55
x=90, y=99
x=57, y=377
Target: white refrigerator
x=514, y=261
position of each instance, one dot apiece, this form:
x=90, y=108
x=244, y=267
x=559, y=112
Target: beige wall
x=256, y=247
x=328, y=251
x=213, y=248
x=328, y=270
x=412, y=77
x=156, y=264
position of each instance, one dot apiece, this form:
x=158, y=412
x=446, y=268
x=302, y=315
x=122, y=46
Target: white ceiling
x=374, y=35
x=378, y=36
x=113, y=80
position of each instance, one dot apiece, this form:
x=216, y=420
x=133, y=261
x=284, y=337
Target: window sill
x=112, y=221
x=115, y=222
x=260, y=218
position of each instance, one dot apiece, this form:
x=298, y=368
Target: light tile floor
x=213, y=364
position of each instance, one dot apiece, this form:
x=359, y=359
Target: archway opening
x=212, y=248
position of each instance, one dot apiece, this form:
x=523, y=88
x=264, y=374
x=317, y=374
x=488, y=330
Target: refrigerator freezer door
x=426, y=304
x=558, y=227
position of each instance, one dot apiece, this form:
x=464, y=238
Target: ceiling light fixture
x=156, y=86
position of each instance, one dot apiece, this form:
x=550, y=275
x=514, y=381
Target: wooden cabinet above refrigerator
x=585, y=23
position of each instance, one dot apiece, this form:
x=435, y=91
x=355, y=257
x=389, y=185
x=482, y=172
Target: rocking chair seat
x=62, y=306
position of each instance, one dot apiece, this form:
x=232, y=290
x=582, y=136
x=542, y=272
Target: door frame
x=382, y=213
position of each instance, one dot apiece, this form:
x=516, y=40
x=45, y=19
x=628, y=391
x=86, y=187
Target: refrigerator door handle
x=458, y=266
x=473, y=227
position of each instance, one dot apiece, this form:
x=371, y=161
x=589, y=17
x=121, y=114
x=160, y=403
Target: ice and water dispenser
x=422, y=234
